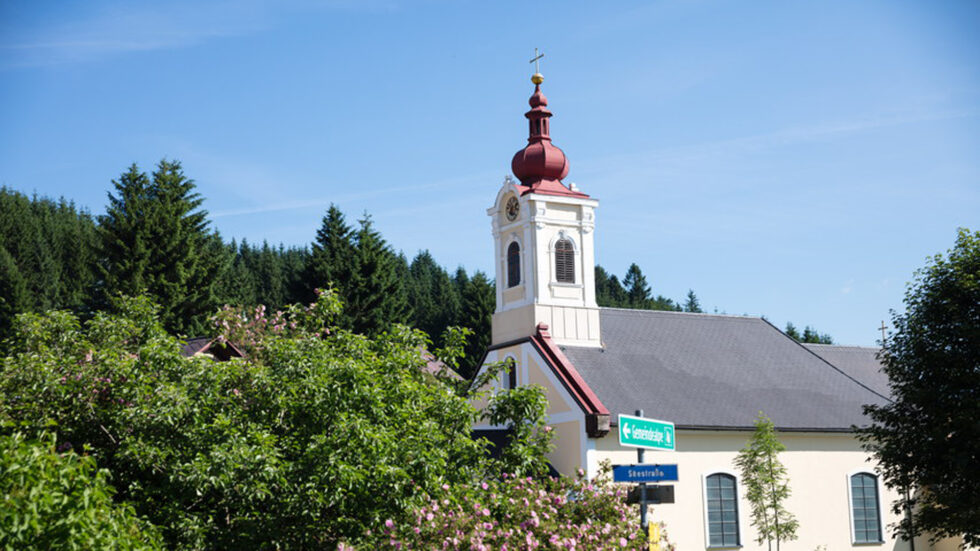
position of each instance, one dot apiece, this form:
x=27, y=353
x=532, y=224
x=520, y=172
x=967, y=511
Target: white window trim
x=576, y=258
x=738, y=507
x=505, y=270
x=850, y=508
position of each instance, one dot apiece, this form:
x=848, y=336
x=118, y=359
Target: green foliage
x=608, y=290
x=927, y=440
x=321, y=435
x=14, y=296
x=479, y=301
x=692, y=304
x=55, y=500
x=332, y=255
x=155, y=240
x=809, y=335
x=376, y=294
x=272, y=276
x=766, y=484
x=636, y=294
x=48, y=257
x=523, y=411
x=435, y=302
x=637, y=289
x=521, y=513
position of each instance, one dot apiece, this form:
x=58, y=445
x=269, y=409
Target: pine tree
x=792, y=332
x=637, y=289
x=53, y=245
x=692, y=304
x=608, y=291
x=479, y=301
x=811, y=335
x=270, y=282
x=331, y=259
x=153, y=239
x=434, y=299
x=375, y=296
x=767, y=487
x=14, y=296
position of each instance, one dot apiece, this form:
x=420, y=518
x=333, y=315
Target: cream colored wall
x=570, y=325
x=818, y=467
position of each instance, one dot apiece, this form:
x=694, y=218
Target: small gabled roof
x=221, y=351
x=860, y=362
x=704, y=371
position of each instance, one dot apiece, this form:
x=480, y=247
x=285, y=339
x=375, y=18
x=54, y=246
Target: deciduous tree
x=766, y=484
x=927, y=440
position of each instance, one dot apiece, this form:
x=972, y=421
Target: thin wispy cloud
x=320, y=202
x=120, y=29
x=781, y=138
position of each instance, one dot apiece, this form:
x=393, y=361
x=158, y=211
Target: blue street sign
x=644, y=473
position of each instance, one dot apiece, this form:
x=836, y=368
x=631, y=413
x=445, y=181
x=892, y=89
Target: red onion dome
x=539, y=160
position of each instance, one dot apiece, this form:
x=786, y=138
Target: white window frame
x=850, y=508
x=738, y=509
x=576, y=258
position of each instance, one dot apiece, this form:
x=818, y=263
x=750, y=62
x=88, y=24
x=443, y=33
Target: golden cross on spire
x=536, y=78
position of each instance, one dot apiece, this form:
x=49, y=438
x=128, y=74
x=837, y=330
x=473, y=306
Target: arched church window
x=564, y=261
x=721, y=501
x=513, y=264
x=865, y=517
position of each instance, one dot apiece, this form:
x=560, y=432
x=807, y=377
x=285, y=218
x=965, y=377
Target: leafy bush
x=319, y=438
x=61, y=500
x=522, y=513
x=317, y=442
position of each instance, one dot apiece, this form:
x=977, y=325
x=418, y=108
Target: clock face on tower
x=513, y=208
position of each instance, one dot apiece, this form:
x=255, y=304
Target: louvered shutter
x=564, y=261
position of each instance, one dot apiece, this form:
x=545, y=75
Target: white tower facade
x=545, y=266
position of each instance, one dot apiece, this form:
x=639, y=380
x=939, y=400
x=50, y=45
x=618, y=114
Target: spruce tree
x=14, y=296
x=435, y=302
x=479, y=301
x=375, y=296
x=692, y=304
x=155, y=240
x=637, y=289
x=331, y=258
x=608, y=290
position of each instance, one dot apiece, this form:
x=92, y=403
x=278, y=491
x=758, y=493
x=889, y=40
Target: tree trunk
x=775, y=503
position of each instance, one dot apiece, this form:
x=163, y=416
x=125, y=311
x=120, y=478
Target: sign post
x=640, y=433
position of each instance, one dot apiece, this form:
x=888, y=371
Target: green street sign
x=638, y=432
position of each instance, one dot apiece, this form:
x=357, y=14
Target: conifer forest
x=155, y=238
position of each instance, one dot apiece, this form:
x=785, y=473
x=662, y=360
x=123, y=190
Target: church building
x=710, y=375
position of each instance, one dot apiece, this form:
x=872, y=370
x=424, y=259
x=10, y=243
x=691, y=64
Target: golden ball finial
x=537, y=78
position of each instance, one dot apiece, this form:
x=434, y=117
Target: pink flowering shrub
x=249, y=327
x=522, y=513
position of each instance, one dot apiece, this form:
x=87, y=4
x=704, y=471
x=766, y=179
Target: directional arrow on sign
x=627, y=430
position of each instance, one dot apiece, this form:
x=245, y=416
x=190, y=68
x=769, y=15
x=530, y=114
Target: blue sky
x=797, y=160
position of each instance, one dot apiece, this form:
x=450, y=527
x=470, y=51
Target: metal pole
x=643, y=486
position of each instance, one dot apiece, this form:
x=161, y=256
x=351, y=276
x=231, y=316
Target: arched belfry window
x=513, y=264
x=564, y=261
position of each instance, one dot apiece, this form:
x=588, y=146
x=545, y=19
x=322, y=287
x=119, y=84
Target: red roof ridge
x=597, y=415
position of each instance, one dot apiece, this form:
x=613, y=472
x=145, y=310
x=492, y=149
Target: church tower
x=543, y=243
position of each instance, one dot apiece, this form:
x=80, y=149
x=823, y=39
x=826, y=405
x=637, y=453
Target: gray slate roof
x=716, y=372
x=859, y=362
